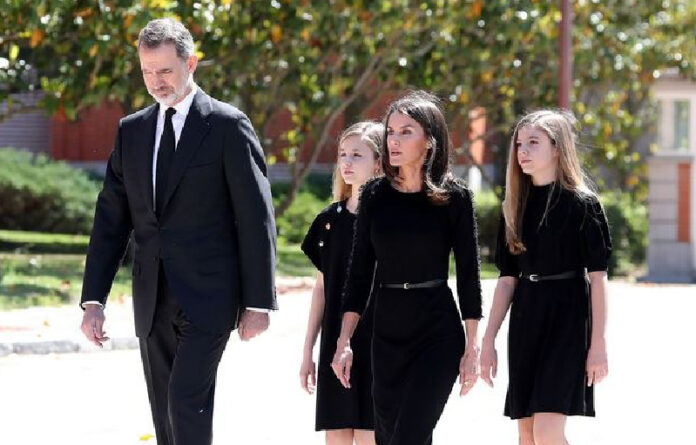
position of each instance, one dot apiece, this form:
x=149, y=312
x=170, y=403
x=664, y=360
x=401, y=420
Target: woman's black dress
x=418, y=335
x=327, y=244
x=550, y=321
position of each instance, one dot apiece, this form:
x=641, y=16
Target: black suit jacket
x=216, y=235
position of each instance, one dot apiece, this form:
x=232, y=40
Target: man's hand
x=93, y=323
x=252, y=323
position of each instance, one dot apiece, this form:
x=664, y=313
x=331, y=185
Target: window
x=673, y=125
x=681, y=125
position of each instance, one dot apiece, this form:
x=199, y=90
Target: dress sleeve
x=312, y=243
x=504, y=260
x=466, y=257
x=595, y=239
x=358, y=285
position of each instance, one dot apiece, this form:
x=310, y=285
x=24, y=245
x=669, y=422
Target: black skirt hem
x=351, y=426
x=531, y=412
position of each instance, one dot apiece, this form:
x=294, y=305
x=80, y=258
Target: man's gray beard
x=167, y=101
x=175, y=96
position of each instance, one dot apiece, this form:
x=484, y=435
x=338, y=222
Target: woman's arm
x=343, y=358
x=466, y=256
x=468, y=372
x=356, y=292
x=316, y=314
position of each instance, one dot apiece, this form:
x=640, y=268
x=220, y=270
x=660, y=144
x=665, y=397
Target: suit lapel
x=195, y=128
x=146, y=146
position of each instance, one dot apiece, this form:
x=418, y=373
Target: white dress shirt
x=178, y=119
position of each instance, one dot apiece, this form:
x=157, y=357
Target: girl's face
x=406, y=141
x=356, y=161
x=536, y=154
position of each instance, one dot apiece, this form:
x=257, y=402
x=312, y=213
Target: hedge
x=38, y=194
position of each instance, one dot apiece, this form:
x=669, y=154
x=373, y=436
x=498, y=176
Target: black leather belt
x=422, y=285
x=559, y=276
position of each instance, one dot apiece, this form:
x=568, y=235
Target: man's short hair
x=167, y=30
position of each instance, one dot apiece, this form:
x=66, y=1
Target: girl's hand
x=489, y=363
x=597, y=366
x=343, y=362
x=308, y=378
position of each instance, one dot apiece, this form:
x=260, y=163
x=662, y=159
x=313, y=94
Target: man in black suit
x=187, y=176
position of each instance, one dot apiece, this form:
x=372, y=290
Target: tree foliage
x=319, y=61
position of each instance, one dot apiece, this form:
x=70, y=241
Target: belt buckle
x=406, y=285
x=534, y=277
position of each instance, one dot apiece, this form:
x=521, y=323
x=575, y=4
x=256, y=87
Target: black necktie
x=165, y=157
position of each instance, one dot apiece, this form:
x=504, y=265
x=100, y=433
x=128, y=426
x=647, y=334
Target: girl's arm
x=316, y=314
x=502, y=298
x=597, y=363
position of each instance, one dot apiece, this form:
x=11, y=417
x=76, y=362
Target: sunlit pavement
x=100, y=398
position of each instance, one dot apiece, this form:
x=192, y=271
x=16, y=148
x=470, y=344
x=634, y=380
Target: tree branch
x=298, y=176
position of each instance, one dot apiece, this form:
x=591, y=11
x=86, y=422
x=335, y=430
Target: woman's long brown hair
x=424, y=108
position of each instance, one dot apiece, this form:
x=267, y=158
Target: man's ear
x=192, y=63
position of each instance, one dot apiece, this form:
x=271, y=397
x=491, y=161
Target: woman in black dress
x=345, y=414
x=553, y=232
x=408, y=223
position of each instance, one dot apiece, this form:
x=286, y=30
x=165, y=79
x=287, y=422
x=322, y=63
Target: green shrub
x=38, y=194
x=313, y=196
x=488, y=217
x=628, y=226
x=293, y=224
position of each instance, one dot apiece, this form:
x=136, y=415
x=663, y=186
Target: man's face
x=165, y=74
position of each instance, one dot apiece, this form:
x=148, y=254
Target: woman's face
x=406, y=141
x=536, y=154
x=356, y=161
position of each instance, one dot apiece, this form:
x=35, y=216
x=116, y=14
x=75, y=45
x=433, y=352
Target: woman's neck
x=410, y=179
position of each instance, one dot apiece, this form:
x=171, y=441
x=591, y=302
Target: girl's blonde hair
x=371, y=134
x=559, y=126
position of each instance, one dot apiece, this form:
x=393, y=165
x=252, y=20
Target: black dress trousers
x=180, y=363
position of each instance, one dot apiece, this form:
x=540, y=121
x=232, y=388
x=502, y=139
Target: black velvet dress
x=550, y=321
x=418, y=335
x=327, y=244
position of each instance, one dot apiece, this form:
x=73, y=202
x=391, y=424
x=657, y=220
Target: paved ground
x=100, y=398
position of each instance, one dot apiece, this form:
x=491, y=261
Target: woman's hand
x=489, y=362
x=597, y=366
x=468, y=369
x=308, y=378
x=343, y=362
